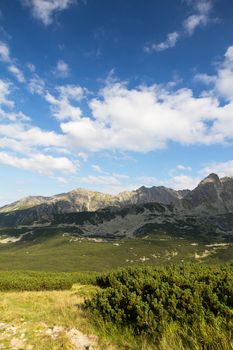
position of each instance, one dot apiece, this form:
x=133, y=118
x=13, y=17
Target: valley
x=185, y=226
x=164, y=248
x=68, y=252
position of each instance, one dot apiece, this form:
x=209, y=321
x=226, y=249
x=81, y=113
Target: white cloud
x=62, y=109
x=114, y=178
x=101, y=180
x=11, y=66
x=23, y=145
x=221, y=168
x=9, y=115
x=25, y=140
x=31, y=67
x=203, y=6
x=83, y=156
x=61, y=106
x=224, y=78
x=17, y=73
x=4, y=52
x=44, y=10
x=222, y=82
x=229, y=54
x=121, y=119
x=183, y=167
x=36, y=85
x=40, y=163
x=148, y=180
x=181, y=182
x=170, y=42
x=4, y=94
x=199, y=18
x=62, y=180
x=121, y=176
x=31, y=136
x=130, y=119
x=73, y=92
x=194, y=21
x=14, y=145
x=97, y=168
x=13, y=116
x=205, y=78
x=62, y=69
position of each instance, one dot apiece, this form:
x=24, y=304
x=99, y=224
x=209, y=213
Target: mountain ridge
x=143, y=194
x=212, y=193
x=207, y=208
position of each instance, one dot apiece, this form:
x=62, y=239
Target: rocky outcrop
x=212, y=196
x=161, y=194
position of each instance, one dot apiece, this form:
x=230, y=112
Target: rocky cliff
x=208, y=208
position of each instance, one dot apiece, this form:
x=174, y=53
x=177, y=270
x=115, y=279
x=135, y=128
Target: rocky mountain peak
x=208, y=197
x=211, y=179
x=142, y=188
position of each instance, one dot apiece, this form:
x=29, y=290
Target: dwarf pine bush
x=34, y=281
x=147, y=300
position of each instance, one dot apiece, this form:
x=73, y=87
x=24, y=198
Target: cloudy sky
x=114, y=94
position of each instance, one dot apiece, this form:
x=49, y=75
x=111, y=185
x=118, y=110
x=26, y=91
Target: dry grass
x=30, y=317
x=31, y=320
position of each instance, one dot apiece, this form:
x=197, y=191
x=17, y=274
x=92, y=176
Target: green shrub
x=34, y=281
x=147, y=300
x=84, y=277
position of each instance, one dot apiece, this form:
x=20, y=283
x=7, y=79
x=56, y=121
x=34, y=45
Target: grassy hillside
x=61, y=252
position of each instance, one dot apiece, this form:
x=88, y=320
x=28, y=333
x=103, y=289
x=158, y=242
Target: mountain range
x=208, y=208
x=84, y=200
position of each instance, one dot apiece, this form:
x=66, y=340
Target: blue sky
x=111, y=95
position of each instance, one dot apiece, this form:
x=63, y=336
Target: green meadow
x=55, y=251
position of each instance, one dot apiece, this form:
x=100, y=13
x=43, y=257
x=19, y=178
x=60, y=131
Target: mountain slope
x=212, y=196
x=208, y=209
x=84, y=200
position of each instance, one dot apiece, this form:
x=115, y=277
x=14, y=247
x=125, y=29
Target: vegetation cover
x=190, y=299
x=35, y=281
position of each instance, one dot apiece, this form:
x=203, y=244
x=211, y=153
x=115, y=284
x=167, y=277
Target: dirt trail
x=15, y=336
